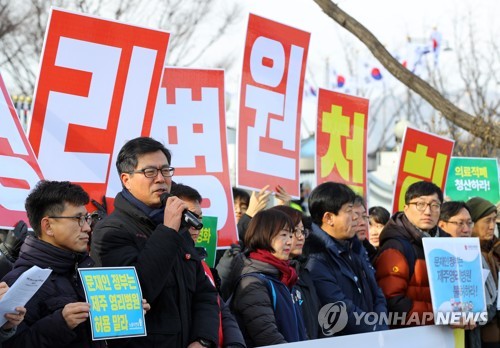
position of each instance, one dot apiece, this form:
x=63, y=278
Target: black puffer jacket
x=183, y=301
x=44, y=325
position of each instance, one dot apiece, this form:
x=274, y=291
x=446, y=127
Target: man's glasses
x=421, y=206
x=82, y=219
x=299, y=232
x=461, y=224
x=166, y=172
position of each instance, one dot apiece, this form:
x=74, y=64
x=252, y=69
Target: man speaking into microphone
x=146, y=233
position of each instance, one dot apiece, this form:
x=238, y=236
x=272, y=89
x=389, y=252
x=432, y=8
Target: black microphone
x=188, y=217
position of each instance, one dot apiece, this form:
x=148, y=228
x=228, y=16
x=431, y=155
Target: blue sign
x=115, y=299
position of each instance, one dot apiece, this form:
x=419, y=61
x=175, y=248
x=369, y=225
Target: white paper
x=498, y=292
x=486, y=273
x=22, y=290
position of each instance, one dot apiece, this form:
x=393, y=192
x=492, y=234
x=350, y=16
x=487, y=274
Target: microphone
x=188, y=218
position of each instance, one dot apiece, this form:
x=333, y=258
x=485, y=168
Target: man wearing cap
x=484, y=214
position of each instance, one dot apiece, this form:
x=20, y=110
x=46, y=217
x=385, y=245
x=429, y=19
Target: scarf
x=155, y=214
x=288, y=275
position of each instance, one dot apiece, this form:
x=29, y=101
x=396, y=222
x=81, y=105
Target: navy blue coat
x=44, y=325
x=351, y=282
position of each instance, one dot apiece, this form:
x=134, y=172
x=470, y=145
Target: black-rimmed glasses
x=150, y=172
x=82, y=219
x=421, y=206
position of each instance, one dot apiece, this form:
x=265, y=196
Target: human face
x=374, y=235
x=340, y=226
x=459, y=225
x=194, y=206
x=484, y=228
x=240, y=208
x=360, y=221
x=297, y=242
x=426, y=219
x=148, y=190
x=282, y=244
x=65, y=233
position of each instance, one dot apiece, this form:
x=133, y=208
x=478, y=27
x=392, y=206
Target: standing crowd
x=293, y=265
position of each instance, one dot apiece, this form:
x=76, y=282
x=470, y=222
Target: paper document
x=22, y=290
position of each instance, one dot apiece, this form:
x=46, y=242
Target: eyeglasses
x=421, y=206
x=166, y=172
x=82, y=219
x=299, y=232
x=461, y=224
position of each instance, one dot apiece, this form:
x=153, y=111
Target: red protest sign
x=19, y=170
x=96, y=89
x=270, y=105
x=424, y=156
x=341, y=140
x=190, y=120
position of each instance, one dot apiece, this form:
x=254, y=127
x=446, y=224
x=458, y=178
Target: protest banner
x=341, y=136
x=115, y=298
x=19, y=170
x=272, y=81
x=454, y=266
x=208, y=239
x=190, y=120
x=96, y=89
x=424, y=156
x=473, y=177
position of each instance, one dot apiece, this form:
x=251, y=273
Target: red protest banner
x=424, y=156
x=96, y=89
x=341, y=140
x=270, y=105
x=19, y=170
x=190, y=120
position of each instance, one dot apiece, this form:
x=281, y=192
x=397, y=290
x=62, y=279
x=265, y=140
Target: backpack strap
x=269, y=285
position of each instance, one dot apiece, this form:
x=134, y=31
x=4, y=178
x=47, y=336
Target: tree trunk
x=488, y=132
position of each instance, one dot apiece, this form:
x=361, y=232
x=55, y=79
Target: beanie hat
x=480, y=207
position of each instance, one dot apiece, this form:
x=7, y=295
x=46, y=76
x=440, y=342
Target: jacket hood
x=399, y=226
x=319, y=240
x=44, y=255
x=256, y=266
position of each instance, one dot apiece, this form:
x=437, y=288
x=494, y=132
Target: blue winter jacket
x=342, y=272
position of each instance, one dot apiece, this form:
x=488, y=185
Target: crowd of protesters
x=293, y=261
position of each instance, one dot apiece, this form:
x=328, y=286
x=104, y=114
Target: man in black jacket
x=141, y=232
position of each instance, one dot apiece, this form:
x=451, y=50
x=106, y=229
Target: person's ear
x=328, y=219
x=45, y=227
x=125, y=178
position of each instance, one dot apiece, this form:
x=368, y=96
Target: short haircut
x=359, y=200
x=422, y=188
x=49, y=197
x=185, y=192
x=379, y=214
x=450, y=209
x=329, y=197
x=295, y=215
x=128, y=157
x=264, y=226
x=241, y=194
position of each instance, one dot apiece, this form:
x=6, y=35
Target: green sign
x=473, y=177
x=208, y=238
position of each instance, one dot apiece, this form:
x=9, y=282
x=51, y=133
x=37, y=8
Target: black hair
x=241, y=194
x=49, y=197
x=359, y=200
x=329, y=197
x=450, y=209
x=295, y=215
x=264, y=226
x=185, y=192
x=128, y=157
x=379, y=214
x=422, y=188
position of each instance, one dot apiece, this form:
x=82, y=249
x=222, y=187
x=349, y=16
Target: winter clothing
x=407, y=290
x=253, y=305
x=341, y=271
x=183, y=301
x=288, y=274
x=43, y=324
x=480, y=207
x=309, y=301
